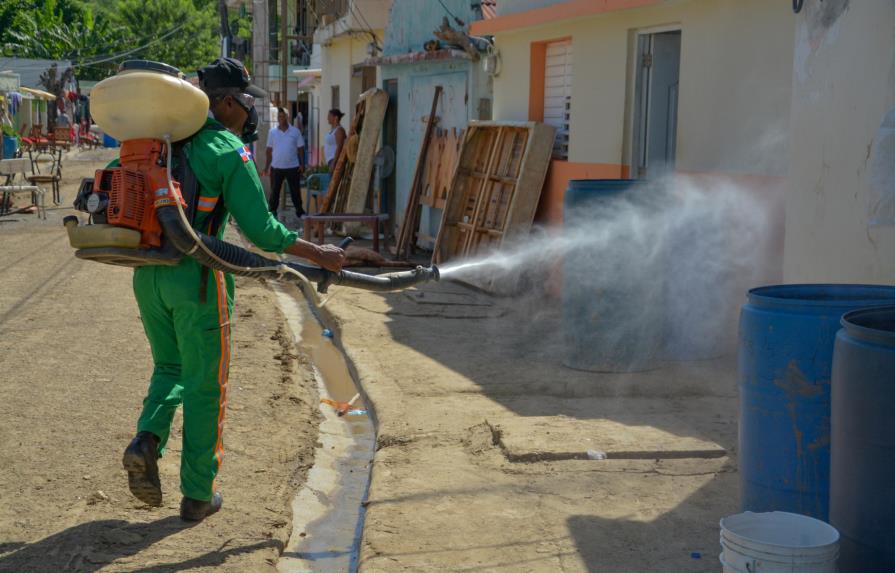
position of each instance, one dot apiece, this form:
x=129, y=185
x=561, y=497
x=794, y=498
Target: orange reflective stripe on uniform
x=207, y=204
x=224, y=363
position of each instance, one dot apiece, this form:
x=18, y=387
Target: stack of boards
x=441, y=163
x=349, y=186
x=495, y=188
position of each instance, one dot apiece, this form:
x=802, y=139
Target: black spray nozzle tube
x=224, y=256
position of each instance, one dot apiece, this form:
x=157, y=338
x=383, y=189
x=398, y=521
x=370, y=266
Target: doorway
x=390, y=139
x=655, y=102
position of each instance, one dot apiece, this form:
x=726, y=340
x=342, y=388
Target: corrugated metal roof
x=489, y=9
x=30, y=69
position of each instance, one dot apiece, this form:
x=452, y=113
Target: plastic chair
x=50, y=175
x=10, y=168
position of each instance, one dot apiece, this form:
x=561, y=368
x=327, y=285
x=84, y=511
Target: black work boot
x=141, y=462
x=197, y=510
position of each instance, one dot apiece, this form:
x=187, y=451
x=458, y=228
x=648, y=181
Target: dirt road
x=481, y=461
x=74, y=365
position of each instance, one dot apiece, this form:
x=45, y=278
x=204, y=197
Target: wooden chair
x=9, y=169
x=62, y=138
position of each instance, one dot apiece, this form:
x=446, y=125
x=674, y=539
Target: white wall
x=843, y=86
x=464, y=84
x=337, y=60
x=735, y=82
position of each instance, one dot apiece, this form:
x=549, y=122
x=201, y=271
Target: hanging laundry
x=14, y=100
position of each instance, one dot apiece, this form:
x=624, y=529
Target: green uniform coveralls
x=190, y=340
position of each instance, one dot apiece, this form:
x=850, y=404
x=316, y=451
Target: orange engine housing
x=137, y=187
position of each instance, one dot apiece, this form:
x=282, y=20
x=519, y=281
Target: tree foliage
x=99, y=35
x=194, y=41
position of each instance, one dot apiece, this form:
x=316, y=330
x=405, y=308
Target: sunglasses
x=245, y=101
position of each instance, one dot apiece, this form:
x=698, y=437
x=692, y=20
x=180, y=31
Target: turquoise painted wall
x=411, y=22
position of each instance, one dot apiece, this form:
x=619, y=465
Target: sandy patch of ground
x=74, y=365
x=481, y=461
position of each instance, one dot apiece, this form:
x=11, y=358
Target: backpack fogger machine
x=141, y=211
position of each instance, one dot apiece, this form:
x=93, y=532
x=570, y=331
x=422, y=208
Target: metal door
x=656, y=96
x=390, y=139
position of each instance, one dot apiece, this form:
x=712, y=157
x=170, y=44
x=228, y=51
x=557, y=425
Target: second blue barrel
x=612, y=320
x=862, y=474
x=785, y=364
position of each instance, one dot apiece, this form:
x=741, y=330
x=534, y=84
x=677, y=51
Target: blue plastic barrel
x=862, y=464
x=611, y=318
x=785, y=363
x=10, y=145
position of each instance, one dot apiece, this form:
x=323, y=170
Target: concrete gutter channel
x=328, y=509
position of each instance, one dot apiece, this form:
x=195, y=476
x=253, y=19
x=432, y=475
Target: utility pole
x=225, y=29
x=284, y=56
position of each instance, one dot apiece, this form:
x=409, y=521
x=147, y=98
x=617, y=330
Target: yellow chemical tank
x=148, y=100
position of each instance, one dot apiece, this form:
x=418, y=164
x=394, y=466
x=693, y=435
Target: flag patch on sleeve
x=245, y=153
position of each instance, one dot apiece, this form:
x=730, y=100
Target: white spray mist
x=654, y=273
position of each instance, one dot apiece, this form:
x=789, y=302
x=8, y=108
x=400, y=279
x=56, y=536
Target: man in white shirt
x=285, y=158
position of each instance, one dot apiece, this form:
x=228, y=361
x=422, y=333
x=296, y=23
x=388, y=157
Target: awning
x=308, y=83
x=40, y=94
x=308, y=72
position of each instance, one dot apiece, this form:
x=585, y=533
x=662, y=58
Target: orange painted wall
x=536, y=81
x=558, y=176
x=537, y=77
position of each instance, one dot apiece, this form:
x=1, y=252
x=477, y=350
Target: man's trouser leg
x=276, y=181
x=293, y=179
x=202, y=332
x=165, y=390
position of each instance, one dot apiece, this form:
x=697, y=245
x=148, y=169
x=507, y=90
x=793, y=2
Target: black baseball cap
x=228, y=73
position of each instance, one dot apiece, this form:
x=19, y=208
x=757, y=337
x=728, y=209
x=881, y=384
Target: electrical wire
x=357, y=11
x=452, y=15
x=70, y=57
x=128, y=52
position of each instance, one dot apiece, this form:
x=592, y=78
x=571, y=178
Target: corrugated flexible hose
x=221, y=255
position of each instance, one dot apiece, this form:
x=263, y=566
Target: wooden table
x=316, y=222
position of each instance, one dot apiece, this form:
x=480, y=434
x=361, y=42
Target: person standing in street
x=285, y=162
x=335, y=139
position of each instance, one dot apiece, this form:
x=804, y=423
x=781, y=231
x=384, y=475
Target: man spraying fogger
x=186, y=309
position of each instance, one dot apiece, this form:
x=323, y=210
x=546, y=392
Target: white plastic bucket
x=778, y=542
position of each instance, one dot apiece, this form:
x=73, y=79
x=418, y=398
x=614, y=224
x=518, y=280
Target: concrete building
x=268, y=58
x=639, y=87
x=842, y=166
x=29, y=70
x=721, y=90
x=348, y=33
x=36, y=101
x=409, y=73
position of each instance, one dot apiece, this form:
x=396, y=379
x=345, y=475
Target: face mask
x=250, y=128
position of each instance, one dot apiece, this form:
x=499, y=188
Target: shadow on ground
x=512, y=349
x=648, y=546
x=91, y=546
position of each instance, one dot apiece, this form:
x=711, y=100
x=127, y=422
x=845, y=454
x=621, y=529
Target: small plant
x=9, y=130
